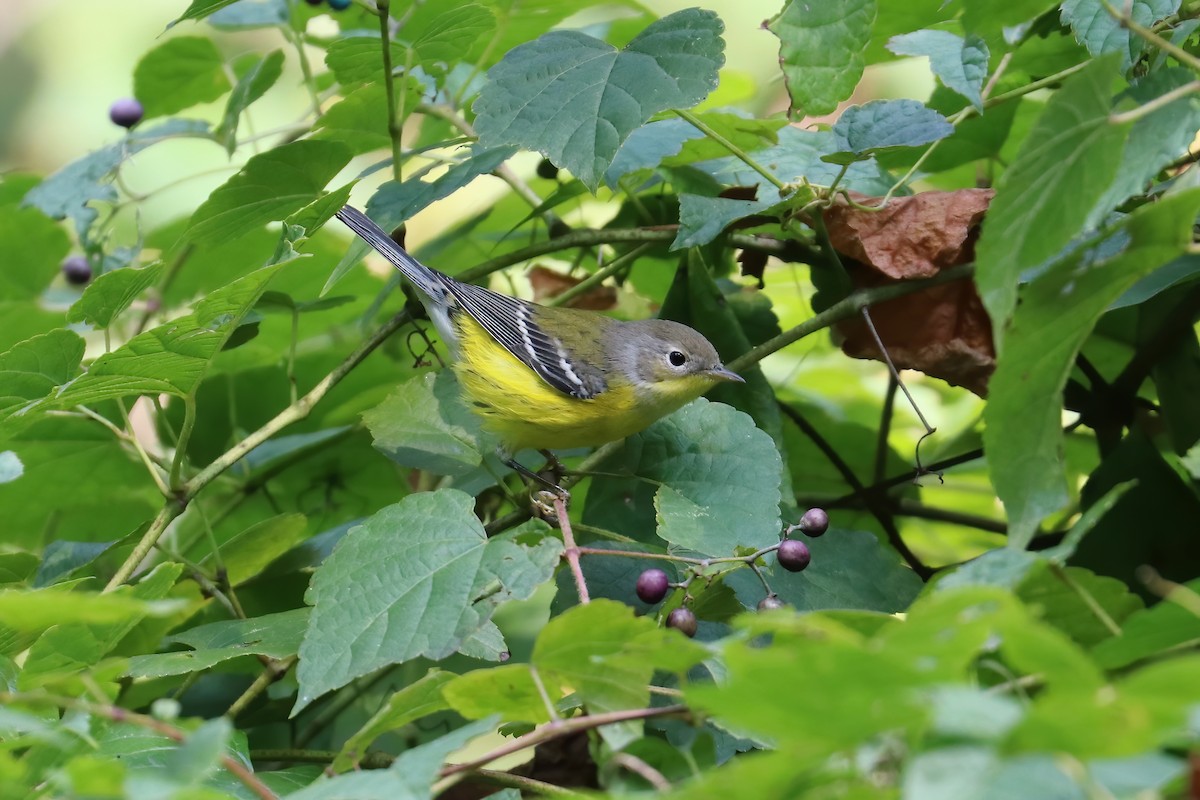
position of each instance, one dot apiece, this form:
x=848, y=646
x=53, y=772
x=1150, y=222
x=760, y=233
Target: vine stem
x=599, y=276
x=738, y=152
x=293, y=413
x=1127, y=21
x=393, y=124
x=554, y=730
x=571, y=551
x=118, y=714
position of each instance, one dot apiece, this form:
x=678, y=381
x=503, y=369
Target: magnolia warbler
x=554, y=378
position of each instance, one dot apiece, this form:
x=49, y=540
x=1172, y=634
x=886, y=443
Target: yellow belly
x=525, y=412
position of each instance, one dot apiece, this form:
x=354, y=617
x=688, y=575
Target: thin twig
x=571, y=550
x=555, y=730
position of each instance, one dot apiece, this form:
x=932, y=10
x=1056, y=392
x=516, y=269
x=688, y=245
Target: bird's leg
x=555, y=467
x=549, y=486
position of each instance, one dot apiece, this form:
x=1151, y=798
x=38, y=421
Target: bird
x=546, y=378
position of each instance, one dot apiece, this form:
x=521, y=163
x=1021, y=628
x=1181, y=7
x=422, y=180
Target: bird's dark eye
x=676, y=358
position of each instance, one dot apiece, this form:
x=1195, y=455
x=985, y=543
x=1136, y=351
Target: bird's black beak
x=722, y=374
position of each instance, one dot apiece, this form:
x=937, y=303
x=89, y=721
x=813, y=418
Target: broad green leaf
x=1155, y=140
x=607, y=655
x=424, y=424
x=384, y=598
x=1101, y=33
x=575, y=99
x=508, y=690
x=111, y=293
x=178, y=74
x=813, y=724
x=446, y=34
x=973, y=713
x=359, y=120
x=37, y=609
x=271, y=635
x=884, y=125
x=170, y=359
x=249, y=552
x=958, y=772
x=1066, y=609
x=69, y=648
x=702, y=219
x=31, y=369
x=1150, y=632
x=960, y=64
x=410, y=777
x=197, y=756
x=253, y=82
x=719, y=476
x=676, y=141
x=246, y=14
x=849, y=569
x=312, y=218
x=821, y=48
x=358, y=59
x=268, y=188
x=988, y=18
x=1067, y=162
x=1023, y=437
x=419, y=699
x=33, y=248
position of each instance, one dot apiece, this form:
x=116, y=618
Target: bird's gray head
x=658, y=351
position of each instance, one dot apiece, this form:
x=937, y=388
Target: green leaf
x=849, y=569
x=271, y=635
x=821, y=51
x=960, y=64
x=178, y=74
x=359, y=120
x=607, y=655
x=356, y=60
x=268, y=188
x=68, y=648
x=988, y=18
x=1155, y=140
x=1067, y=162
x=1151, y=632
x=198, y=756
x=1101, y=33
x=31, y=369
x=33, y=248
x=199, y=9
x=170, y=359
x=719, y=476
x=383, y=599
x=884, y=125
x=37, y=609
x=702, y=219
x=447, y=36
x=676, y=141
x=1023, y=436
x=111, y=293
x=253, y=82
x=423, y=424
x=410, y=777
x=247, y=553
x=419, y=699
x=508, y=690
x=575, y=99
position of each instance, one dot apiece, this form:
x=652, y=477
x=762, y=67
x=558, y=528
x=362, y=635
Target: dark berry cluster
x=336, y=5
x=792, y=554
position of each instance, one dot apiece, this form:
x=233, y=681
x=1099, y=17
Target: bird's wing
x=512, y=323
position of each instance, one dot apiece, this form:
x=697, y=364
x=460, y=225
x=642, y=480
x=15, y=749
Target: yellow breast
x=523, y=411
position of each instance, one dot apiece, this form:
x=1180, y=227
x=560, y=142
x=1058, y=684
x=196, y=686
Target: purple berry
x=814, y=522
x=770, y=603
x=652, y=585
x=76, y=270
x=793, y=555
x=126, y=112
x=339, y=5
x=682, y=620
